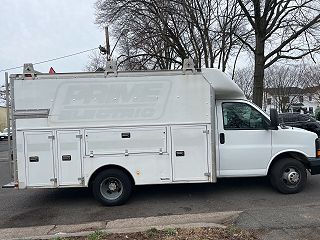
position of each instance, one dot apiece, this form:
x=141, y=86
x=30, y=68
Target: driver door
x=244, y=139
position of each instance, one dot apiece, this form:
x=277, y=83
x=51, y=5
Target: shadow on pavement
x=167, y=191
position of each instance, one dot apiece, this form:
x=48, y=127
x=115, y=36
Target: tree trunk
x=258, y=82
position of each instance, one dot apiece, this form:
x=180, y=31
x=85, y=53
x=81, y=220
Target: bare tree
x=285, y=84
x=96, y=61
x=244, y=78
x=312, y=78
x=283, y=29
x=163, y=33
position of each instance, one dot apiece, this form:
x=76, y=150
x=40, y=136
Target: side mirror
x=274, y=118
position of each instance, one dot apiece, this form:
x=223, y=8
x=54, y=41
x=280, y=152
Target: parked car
x=304, y=121
x=4, y=134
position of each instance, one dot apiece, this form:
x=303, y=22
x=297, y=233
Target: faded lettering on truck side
x=109, y=101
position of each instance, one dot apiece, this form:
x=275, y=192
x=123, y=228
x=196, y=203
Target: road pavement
x=262, y=206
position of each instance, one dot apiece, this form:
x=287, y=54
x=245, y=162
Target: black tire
x=288, y=176
x=112, y=187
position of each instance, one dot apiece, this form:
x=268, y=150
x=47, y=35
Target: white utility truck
x=113, y=130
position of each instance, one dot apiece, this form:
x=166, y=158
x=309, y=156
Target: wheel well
x=101, y=169
x=298, y=156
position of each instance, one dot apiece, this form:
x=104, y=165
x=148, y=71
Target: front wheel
x=112, y=187
x=288, y=176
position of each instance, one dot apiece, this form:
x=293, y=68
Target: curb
x=129, y=225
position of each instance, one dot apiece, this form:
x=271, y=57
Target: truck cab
x=250, y=145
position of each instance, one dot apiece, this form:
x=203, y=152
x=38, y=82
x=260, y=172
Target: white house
x=292, y=99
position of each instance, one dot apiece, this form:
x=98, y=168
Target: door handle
x=222, y=138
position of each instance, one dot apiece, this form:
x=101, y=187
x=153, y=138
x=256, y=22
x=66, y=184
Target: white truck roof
x=224, y=87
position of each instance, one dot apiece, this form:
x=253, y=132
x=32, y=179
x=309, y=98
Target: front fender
x=288, y=153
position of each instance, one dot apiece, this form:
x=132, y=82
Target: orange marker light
x=317, y=147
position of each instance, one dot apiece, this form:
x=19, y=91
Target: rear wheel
x=288, y=176
x=112, y=187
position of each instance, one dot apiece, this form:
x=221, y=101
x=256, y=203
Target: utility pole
x=106, y=50
x=106, y=30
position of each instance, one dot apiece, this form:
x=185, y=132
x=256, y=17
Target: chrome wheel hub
x=291, y=176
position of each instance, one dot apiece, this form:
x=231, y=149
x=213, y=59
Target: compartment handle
x=179, y=153
x=66, y=158
x=125, y=135
x=34, y=159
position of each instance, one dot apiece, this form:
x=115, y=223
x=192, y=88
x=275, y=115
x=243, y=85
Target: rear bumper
x=314, y=165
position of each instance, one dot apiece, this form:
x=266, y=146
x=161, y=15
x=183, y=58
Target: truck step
x=10, y=185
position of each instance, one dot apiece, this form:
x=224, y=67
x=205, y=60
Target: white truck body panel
x=136, y=122
x=190, y=156
x=69, y=158
x=134, y=140
x=116, y=101
x=39, y=158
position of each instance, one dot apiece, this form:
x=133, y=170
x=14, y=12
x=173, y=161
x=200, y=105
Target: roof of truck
x=224, y=86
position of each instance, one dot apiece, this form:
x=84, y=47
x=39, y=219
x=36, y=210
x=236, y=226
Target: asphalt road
x=262, y=206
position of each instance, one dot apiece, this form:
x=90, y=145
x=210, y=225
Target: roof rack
x=188, y=65
x=29, y=72
x=110, y=71
x=111, y=68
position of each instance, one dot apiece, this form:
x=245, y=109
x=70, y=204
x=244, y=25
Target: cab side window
x=242, y=116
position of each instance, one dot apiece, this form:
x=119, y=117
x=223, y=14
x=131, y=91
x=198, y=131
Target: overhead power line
x=53, y=59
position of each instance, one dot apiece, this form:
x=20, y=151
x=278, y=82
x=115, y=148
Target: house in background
x=292, y=99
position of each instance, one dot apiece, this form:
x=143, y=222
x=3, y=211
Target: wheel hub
x=291, y=176
x=113, y=186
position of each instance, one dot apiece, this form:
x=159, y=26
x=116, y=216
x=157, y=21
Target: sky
x=36, y=30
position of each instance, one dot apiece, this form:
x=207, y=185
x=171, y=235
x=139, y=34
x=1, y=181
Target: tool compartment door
x=69, y=158
x=131, y=140
x=38, y=148
x=190, y=153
